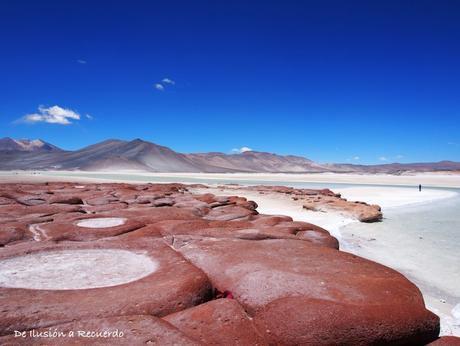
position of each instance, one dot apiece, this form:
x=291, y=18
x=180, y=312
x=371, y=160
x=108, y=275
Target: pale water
x=423, y=241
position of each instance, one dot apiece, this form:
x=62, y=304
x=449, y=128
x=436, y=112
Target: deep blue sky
x=330, y=80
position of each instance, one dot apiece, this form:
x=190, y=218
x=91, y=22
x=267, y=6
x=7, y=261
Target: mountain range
x=140, y=155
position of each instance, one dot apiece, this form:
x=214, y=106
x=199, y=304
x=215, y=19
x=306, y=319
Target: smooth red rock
x=270, y=220
x=149, y=231
x=153, y=215
x=92, y=209
x=124, y=330
x=305, y=321
x=259, y=273
x=283, y=275
x=227, y=213
x=11, y=233
x=446, y=341
x=176, y=285
x=219, y=322
x=70, y=230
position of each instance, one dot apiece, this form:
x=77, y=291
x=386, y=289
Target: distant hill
x=254, y=161
x=398, y=168
x=141, y=155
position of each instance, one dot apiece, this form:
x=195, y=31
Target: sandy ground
x=393, y=197
x=426, y=179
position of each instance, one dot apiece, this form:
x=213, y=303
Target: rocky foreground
x=155, y=264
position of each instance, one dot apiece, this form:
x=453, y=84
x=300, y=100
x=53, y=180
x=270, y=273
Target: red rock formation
x=446, y=341
x=118, y=330
x=176, y=285
x=319, y=200
x=289, y=284
x=219, y=322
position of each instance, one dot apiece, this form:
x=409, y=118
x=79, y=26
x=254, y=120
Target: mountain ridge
x=141, y=155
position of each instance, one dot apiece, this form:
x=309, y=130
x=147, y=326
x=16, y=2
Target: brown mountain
x=399, y=168
x=107, y=155
x=141, y=155
x=254, y=161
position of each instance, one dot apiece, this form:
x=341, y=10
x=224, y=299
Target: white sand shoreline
x=394, y=197
x=426, y=179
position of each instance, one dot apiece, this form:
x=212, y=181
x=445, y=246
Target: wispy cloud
x=168, y=81
x=399, y=156
x=241, y=150
x=353, y=158
x=455, y=144
x=51, y=115
x=90, y=117
x=164, y=83
x=81, y=61
x=383, y=158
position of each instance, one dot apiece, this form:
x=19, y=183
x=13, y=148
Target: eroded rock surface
x=446, y=341
x=119, y=330
x=168, y=284
x=219, y=322
x=323, y=200
x=150, y=260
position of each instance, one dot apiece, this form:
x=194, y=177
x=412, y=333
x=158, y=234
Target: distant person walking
x=419, y=187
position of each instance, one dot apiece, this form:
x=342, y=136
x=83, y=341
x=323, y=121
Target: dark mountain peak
x=139, y=141
x=146, y=145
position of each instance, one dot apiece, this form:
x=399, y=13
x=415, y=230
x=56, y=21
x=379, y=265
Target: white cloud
x=80, y=61
x=383, y=158
x=51, y=115
x=90, y=117
x=165, y=82
x=168, y=81
x=399, y=156
x=356, y=158
x=241, y=150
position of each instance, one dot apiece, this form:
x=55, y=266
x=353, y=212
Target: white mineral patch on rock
x=102, y=222
x=75, y=269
